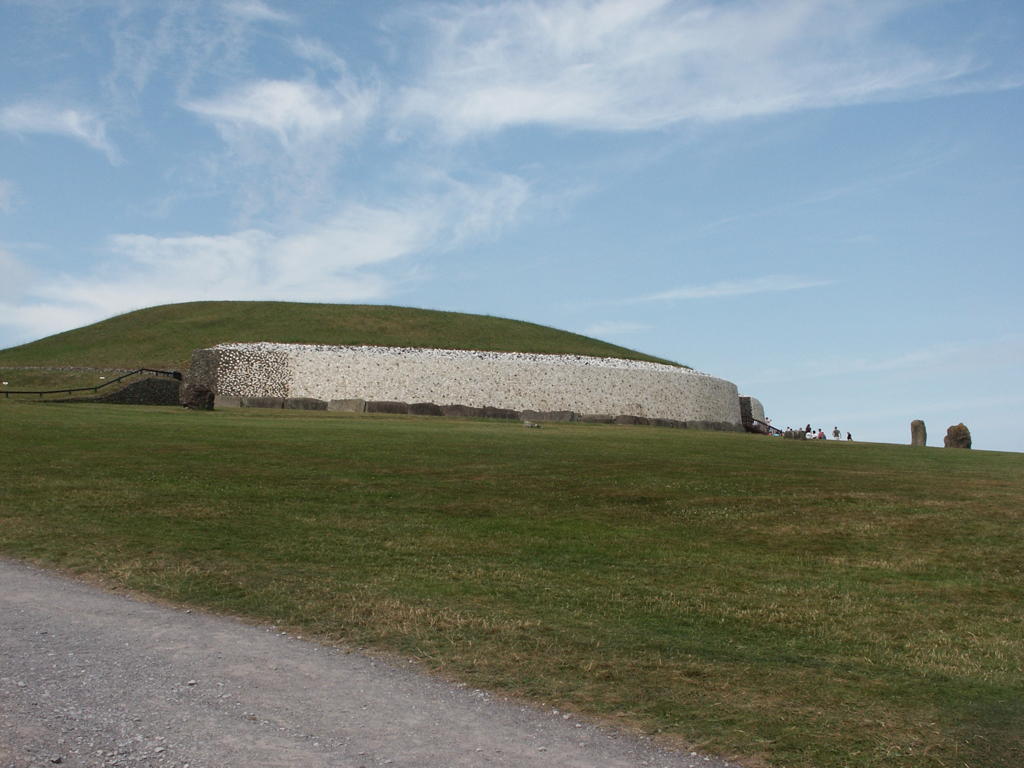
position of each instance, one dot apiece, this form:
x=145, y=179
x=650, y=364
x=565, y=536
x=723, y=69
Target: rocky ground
x=92, y=678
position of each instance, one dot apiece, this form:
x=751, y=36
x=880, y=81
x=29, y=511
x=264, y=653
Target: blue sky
x=820, y=200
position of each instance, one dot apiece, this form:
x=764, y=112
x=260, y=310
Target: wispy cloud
x=284, y=141
x=627, y=65
x=293, y=112
x=180, y=44
x=255, y=10
x=867, y=185
x=79, y=124
x=343, y=258
x=727, y=288
x=975, y=355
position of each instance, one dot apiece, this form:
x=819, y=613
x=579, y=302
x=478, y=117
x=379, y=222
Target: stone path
x=92, y=678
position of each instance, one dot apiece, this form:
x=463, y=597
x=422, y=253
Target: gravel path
x=92, y=678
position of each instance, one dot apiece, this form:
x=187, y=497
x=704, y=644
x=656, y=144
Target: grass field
x=49, y=379
x=797, y=604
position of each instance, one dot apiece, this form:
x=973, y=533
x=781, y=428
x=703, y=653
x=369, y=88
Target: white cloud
x=624, y=65
x=285, y=140
x=294, y=112
x=35, y=320
x=175, y=43
x=483, y=211
x=17, y=275
x=342, y=259
x=40, y=117
x=317, y=52
x=726, y=288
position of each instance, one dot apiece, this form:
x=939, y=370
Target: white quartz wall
x=586, y=385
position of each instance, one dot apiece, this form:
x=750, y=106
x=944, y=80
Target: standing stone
x=196, y=397
x=918, y=434
x=958, y=436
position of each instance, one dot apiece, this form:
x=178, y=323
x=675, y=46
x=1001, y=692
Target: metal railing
x=767, y=427
x=41, y=392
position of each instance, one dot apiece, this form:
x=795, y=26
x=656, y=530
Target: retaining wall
x=750, y=409
x=516, y=381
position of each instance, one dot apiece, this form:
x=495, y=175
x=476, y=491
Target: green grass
x=165, y=336
x=798, y=604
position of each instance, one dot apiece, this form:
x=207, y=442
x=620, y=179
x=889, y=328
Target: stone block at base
x=386, y=406
x=669, y=423
x=348, y=406
x=226, y=401
x=550, y=416
x=461, y=411
x=626, y=419
x=262, y=402
x=305, y=404
x=425, y=409
x=499, y=413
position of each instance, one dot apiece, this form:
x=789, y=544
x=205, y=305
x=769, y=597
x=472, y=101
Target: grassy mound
x=164, y=336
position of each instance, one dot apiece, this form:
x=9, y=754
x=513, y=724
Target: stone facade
x=502, y=380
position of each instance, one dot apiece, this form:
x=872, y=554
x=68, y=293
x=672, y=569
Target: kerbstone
x=305, y=404
x=386, y=406
x=348, y=406
x=263, y=402
x=425, y=409
x=459, y=411
x=490, y=412
x=549, y=415
x=626, y=418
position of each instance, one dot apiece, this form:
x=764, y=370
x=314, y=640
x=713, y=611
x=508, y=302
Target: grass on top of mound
x=801, y=604
x=165, y=336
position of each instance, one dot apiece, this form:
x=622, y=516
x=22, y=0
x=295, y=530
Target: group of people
x=820, y=434
x=806, y=433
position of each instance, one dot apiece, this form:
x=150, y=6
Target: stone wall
x=750, y=410
x=516, y=381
